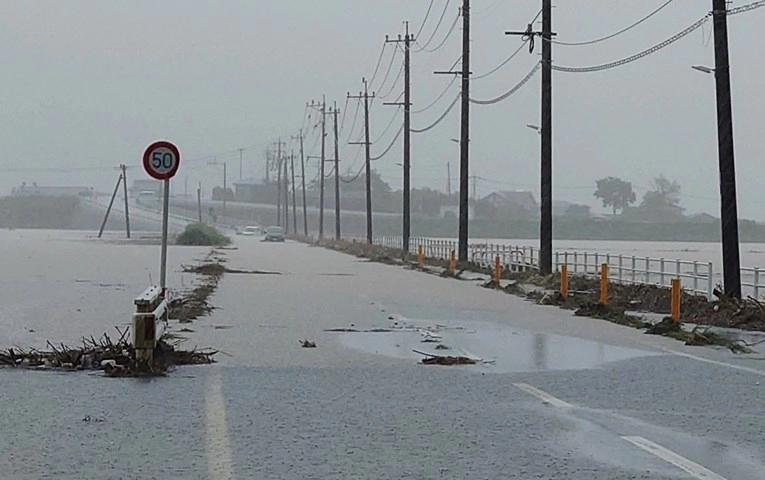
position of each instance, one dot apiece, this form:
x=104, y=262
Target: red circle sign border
x=147, y=160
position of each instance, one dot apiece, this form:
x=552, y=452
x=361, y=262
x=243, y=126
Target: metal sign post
x=161, y=161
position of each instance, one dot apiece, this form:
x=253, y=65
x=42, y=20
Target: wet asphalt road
x=359, y=405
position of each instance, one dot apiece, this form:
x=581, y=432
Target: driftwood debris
x=431, y=359
x=114, y=358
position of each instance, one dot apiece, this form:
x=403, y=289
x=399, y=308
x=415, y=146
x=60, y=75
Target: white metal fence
x=695, y=277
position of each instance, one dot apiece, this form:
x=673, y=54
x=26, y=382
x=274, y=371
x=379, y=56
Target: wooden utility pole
x=286, y=197
x=407, y=134
x=302, y=176
x=728, y=206
x=335, y=111
x=322, y=108
x=294, y=205
x=240, y=163
x=199, y=202
x=366, y=144
x=546, y=219
x=279, y=186
x=464, y=134
x=448, y=179
x=125, y=193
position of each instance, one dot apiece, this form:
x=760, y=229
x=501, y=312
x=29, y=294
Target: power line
x=607, y=37
x=433, y=35
x=392, y=119
x=345, y=110
x=393, y=85
x=438, y=120
x=638, y=56
x=512, y=55
x=422, y=24
x=454, y=79
x=451, y=29
x=353, y=125
x=379, y=59
x=390, y=65
x=389, y=146
x=512, y=90
x=747, y=7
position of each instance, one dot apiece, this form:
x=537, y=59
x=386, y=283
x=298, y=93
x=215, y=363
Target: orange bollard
x=604, y=284
x=676, y=299
x=564, y=281
x=420, y=256
x=452, y=263
x=497, y=270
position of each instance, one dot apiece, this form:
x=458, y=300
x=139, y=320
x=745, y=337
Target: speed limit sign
x=161, y=160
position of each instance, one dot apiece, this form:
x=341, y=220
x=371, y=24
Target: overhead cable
x=389, y=146
x=637, y=56
x=608, y=37
x=387, y=72
x=747, y=7
x=439, y=97
x=393, y=85
x=438, y=120
x=387, y=127
x=512, y=90
x=424, y=20
x=379, y=59
x=432, y=36
x=512, y=55
x=448, y=34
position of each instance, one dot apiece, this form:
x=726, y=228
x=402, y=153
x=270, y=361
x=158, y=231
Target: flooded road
x=557, y=396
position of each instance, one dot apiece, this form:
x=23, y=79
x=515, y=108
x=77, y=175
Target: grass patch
x=199, y=234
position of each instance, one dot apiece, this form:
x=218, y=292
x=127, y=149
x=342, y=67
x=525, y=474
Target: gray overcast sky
x=88, y=84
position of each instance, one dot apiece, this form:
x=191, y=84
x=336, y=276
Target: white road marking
x=544, y=396
x=683, y=463
x=220, y=464
x=721, y=364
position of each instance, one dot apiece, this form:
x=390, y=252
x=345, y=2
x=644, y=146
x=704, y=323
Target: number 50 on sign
x=161, y=160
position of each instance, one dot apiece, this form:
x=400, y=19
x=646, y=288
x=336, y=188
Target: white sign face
x=161, y=160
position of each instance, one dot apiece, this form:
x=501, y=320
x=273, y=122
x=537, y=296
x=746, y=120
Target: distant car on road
x=251, y=230
x=274, y=234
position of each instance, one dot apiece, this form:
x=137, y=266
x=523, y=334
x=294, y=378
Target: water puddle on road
x=501, y=349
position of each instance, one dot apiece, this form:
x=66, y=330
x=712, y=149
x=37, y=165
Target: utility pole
x=278, y=162
x=199, y=202
x=475, y=179
x=125, y=193
x=728, y=207
x=464, y=134
x=448, y=179
x=335, y=111
x=286, y=197
x=322, y=108
x=109, y=208
x=407, y=134
x=294, y=206
x=225, y=192
x=366, y=144
x=240, y=163
x=546, y=223
x=302, y=176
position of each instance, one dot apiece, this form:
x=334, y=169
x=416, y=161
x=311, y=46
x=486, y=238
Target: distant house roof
x=521, y=198
x=251, y=181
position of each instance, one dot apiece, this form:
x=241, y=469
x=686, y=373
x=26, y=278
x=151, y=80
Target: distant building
x=515, y=198
x=52, y=191
x=146, y=185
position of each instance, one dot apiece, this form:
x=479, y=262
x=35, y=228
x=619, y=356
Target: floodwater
x=752, y=254
x=498, y=348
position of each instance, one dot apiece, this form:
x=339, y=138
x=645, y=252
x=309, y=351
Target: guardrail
x=148, y=325
x=695, y=277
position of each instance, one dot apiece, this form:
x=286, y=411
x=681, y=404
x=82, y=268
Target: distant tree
x=577, y=211
x=665, y=193
x=218, y=193
x=615, y=193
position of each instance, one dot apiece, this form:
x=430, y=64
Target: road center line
x=544, y=396
x=220, y=464
x=721, y=364
x=683, y=463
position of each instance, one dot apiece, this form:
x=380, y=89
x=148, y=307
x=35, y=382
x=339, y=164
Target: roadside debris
x=307, y=344
x=115, y=358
